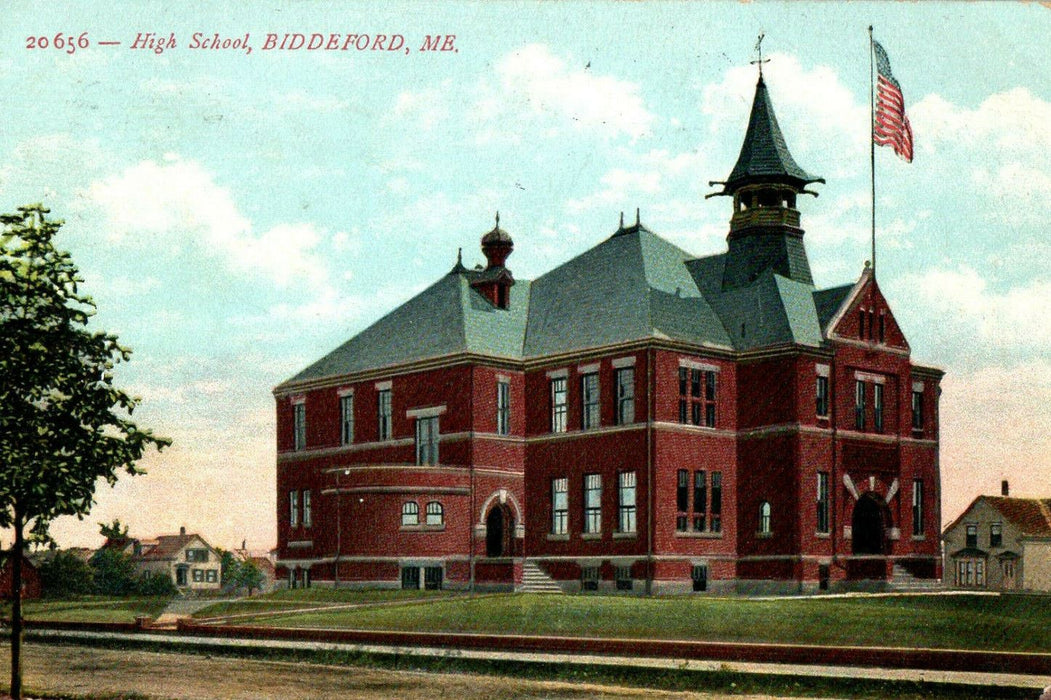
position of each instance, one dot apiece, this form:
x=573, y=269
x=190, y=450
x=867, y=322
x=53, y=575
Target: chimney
x=1005, y=490
x=182, y=530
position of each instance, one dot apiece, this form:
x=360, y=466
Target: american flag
x=891, y=126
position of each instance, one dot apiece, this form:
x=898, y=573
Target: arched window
x=410, y=513
x=764, y=518
x=435, y=513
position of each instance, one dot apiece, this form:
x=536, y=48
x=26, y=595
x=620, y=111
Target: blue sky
x=237, y=215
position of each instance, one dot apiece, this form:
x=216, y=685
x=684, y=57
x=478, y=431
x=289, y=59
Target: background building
x=1000, y=543
x=636, y=419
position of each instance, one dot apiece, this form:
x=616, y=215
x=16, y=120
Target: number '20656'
x=62, y=42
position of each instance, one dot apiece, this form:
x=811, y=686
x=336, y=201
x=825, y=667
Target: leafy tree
x=114, y=572
x=64, y=575
x=229, y=566
x=114, y=530
x=154, y=583
x=249, y=576
x=63, y=423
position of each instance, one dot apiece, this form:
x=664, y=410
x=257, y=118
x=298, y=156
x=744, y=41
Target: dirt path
x=83, y=671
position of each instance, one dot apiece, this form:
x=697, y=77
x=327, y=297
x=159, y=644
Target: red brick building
x=635, y=419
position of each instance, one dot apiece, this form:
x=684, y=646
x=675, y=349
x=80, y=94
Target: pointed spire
x=458, y=268
x=764, y=154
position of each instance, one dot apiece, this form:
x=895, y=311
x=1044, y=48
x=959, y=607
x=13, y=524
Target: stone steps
x=534, y=580
x=903, y=581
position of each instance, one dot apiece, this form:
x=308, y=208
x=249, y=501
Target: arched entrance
x=499, y=532
x=867, y=526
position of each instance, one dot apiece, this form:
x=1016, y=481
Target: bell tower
x=765, y=183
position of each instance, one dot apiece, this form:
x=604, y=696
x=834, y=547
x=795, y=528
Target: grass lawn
x=89, y=609
x=312, y=598
x=1017, y=623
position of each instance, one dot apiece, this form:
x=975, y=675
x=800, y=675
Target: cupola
x=495, y=281
x=765, y=227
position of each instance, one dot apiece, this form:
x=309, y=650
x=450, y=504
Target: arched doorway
x=867, y=526
x=499, y=532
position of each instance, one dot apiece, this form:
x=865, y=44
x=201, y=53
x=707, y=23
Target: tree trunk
x=16, y=607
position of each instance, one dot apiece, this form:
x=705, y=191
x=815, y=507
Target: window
x=972, y=536
x=592, y=503
x=307, y=518
x=199, y=555
x=623, y=576
x=589, y=578
x=346, y=419
x=558, y=405
x=764, y=518
x=589, y=417
x=682, y=501
x=697, y=396
x=626, y=501
x=699, y=574
x=198, y=575
x=211, y=575
x=432, y=578
x=384, y=414
x=717, y=502
x=299, y=426
x=435, y=513
x=861, y=323
x=877, y=407
x=822, y=397
x=625, y=412
x=970, y=573
x=410, y=578
x=293, y=508
x=427, y=440
x=503, y=408
x=700, y=499
x=709, y=399
x=410, y=514
x=684, y=400
x=559, y=506
x=822, y=503
x=882, y=327
x=917, y=508
x=859, y=405
x=996, y=535
x=917, y=410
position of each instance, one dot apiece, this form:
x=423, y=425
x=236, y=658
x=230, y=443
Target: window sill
x=422, y=528
x=699, y=535
x=558, y=538
x=823, y=535
x=591, y=536
x=625, y=535
x=764, y=535
x=919, y=538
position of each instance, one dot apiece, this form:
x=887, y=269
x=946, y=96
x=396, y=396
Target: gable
x=865, y=316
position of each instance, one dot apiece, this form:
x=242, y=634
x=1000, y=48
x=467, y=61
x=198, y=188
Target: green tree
x=249, y=576
x=114, y=530
x=155, y=583
x=114, y=572
x=65, y=575
x=63, y=423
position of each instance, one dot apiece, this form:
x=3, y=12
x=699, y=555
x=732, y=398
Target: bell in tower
x=765, y=182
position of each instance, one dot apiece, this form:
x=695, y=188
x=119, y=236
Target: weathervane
x=759, y=49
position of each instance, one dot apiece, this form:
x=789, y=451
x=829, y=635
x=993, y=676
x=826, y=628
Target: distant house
x=30, y=579
x=188, y=559
x=264, y=562
x=1000, y=543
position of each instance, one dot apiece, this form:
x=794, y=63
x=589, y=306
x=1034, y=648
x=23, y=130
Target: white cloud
x=534, y=81
x=177, y=204
x=1015, y=120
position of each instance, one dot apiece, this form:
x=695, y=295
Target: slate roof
x=1032, y=516
x=764, y=154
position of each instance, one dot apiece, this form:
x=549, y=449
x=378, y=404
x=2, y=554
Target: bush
x=152, y=583
x=66, y=575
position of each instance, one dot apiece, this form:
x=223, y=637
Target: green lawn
x=312, y=598
x=1020, y=623
x=89, y=609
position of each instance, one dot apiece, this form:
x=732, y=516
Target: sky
x=237, y=214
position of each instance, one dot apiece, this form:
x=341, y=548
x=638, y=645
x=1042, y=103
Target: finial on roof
x=458, y=267
x=759, y=49
x=459, y=256
x=622, y=221
x=498, y=218
x=638, y=217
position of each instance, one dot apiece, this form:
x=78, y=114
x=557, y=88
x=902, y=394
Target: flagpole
x=872, y=147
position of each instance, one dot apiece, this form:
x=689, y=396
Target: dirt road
x=85, y=672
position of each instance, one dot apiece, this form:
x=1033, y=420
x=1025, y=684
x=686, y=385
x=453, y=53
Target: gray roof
x=764, y=154
x=632, y=286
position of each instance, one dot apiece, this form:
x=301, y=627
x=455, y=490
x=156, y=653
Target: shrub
x=153, y=583
x=66, y=575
